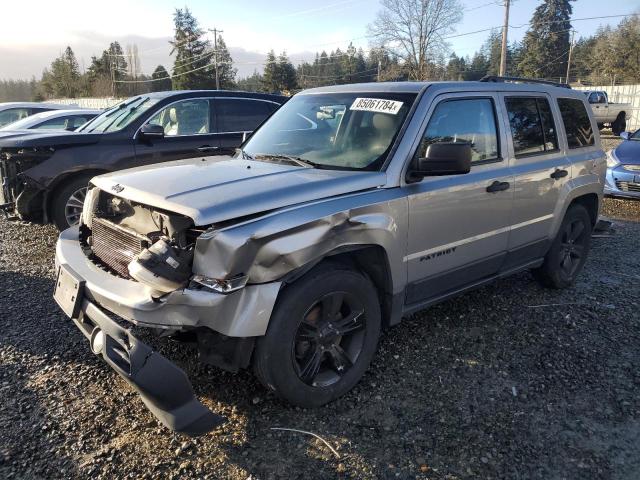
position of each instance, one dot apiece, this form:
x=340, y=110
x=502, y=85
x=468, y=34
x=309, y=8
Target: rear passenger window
x=576, y=123
x=532, y=126
x=241, y=115
x=467, y=120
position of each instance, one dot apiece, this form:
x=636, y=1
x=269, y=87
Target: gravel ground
x=509, y=381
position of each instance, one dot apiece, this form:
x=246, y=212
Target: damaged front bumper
x=163, y=387
x=88, y=294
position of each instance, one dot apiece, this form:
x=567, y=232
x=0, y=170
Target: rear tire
x=66, y=205
x=321, y=338
x=619, y=125
x=568, y=253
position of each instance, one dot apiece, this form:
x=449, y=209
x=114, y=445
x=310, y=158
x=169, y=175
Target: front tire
x=66, y=205
x=321, y=338
x=568, y=253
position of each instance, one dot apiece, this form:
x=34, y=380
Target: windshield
x=333, y=130
x=120, y=115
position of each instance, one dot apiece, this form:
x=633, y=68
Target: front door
x=459, y=224
x=188, y=132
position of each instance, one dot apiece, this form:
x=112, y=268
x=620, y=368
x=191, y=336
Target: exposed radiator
x=114, y=246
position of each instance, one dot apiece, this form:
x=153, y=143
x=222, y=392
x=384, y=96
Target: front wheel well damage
x=369, y=259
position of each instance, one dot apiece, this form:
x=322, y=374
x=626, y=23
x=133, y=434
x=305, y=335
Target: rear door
x=189, y=132
x=459, y=224
x=237, y=118
x=542, y=170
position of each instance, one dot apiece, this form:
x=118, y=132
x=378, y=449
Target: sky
x=34, y=32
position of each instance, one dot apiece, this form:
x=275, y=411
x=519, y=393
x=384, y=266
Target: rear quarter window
x=576, y=123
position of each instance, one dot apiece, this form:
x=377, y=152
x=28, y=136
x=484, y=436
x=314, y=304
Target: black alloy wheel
x=572, y=247
x=322, y=335
x=329, y=339
x=568, y=252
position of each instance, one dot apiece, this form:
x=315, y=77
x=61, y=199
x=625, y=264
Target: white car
x=13, y=111
x=52, y=120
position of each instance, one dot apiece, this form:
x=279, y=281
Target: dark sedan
x=623, y=168
x=44, y=175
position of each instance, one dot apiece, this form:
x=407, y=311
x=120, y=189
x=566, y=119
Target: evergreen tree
x=226, y=72
x=105, y=72
x=286, y=74
x=252, y=83
x=270, y=76
x=546, y=43
x=192, y=68
x=162, y=80
x=64, y=77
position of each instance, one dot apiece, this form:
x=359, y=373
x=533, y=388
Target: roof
x=216, y=93
x=416, y=87
x=52, y=106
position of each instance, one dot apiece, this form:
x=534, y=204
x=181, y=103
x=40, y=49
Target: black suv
x=45, y=175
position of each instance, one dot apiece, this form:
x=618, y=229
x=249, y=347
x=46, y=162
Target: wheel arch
x=373, y=261
x=591, y=203
x=59, y=183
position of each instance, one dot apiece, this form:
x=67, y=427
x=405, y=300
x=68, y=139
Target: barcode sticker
x=377, y=105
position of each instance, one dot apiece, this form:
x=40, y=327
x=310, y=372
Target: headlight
x=221, y=286
x=612, y=160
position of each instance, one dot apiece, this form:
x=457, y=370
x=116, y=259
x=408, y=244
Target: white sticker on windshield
x=377, y=105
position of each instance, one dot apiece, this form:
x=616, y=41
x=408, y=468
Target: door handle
x=498, y=187
x=558, y=174
x=207, y=148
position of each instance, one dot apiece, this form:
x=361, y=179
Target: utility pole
x=215, y=54
x=569, y=60
x=505, y=30
x=379, y=65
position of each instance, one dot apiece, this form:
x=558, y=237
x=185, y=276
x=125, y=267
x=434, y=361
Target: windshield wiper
x=290, y=158
x=244, y=155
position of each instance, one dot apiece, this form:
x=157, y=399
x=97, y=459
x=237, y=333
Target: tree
x=252, y=83
x=546, y=43
x=414, y=29
x=107, y=71
x=63, y=79
x=287, y=74
x=226, y=72
x=162, y=80
x=192, y=68
x=270, y=76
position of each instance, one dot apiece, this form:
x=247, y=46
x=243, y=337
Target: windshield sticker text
x=377, y=105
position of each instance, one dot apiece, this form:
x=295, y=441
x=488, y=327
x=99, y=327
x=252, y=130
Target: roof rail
x=498, y=79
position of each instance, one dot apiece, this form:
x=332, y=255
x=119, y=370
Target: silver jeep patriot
x=351, y=207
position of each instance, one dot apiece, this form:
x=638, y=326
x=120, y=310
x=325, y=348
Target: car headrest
x=173, y=115
x=383, y=122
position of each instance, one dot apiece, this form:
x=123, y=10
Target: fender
x=268, y=248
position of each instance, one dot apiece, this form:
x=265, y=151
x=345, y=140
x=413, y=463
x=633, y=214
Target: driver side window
x=187, y=117
x=470, y=120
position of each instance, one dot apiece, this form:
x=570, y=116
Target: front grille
x=628, y=186
x=114, y=247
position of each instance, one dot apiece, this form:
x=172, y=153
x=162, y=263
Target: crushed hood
x=215, y=189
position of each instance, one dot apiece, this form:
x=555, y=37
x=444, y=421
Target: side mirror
x=443, y=159
x=150, y=130
x=625, y=135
